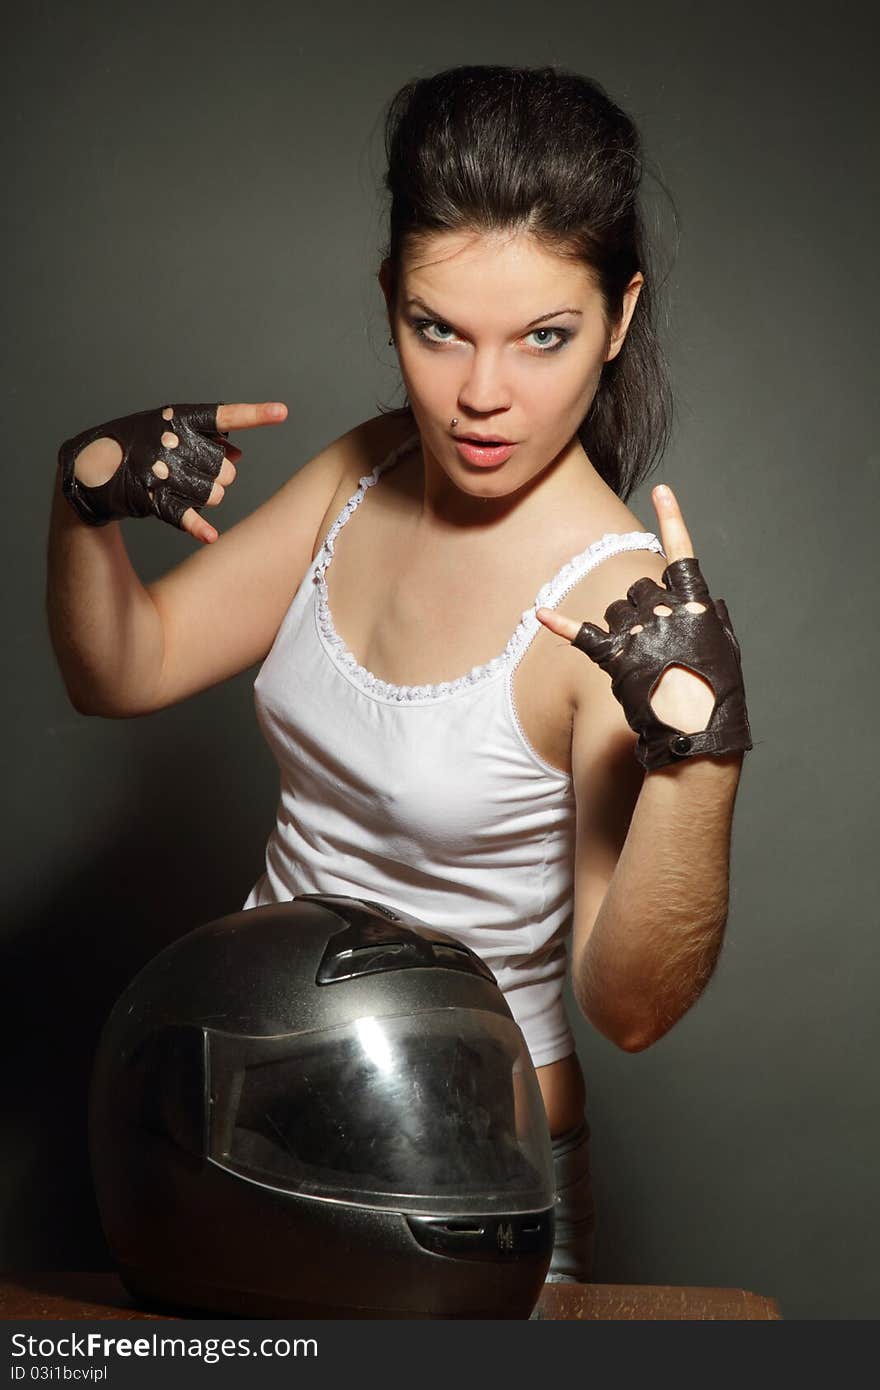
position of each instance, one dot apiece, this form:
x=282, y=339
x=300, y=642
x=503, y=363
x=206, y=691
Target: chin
x=492, y=489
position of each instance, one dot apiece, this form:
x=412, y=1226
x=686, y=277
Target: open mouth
x=474, y=451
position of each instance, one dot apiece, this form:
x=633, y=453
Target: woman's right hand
x=139, y=465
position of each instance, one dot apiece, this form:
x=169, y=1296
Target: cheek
x=582, y=384
x=430, y=378
x=563, y=390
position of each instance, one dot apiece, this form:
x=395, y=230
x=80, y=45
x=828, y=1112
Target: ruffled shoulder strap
x=571, y=573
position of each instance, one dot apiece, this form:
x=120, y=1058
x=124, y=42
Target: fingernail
x=663, y=493
x=276, y=410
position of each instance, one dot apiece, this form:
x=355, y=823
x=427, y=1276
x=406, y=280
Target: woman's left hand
x=701, y=709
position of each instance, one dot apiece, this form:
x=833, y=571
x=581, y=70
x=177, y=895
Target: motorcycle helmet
x=322, y=1108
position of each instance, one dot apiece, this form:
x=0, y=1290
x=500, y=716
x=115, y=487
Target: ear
x=630, y=298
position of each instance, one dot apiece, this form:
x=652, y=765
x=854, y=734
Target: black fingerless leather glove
x=703, y=642
x=134, y=489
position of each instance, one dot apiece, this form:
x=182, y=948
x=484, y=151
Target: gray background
x=194, y=213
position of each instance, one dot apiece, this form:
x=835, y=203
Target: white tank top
x=429, y=797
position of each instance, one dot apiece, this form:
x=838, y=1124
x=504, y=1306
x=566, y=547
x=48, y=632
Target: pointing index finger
x=673, y=532
x=245, y=416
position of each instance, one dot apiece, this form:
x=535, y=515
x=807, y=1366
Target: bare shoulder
x=358, y=452
x=608, y=580
x=600, y=733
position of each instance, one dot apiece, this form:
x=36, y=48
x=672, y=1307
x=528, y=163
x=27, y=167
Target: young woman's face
x=508, y=338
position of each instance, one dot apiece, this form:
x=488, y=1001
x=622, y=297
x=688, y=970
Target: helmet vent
x=367, y=945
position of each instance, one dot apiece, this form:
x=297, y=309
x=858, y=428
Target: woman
x=441, y=749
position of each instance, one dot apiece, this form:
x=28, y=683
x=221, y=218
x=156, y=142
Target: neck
x=447, y=507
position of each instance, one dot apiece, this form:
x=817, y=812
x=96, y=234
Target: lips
x=483, y=455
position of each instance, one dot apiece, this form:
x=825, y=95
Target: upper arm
x=222, y=606
x=606, y=776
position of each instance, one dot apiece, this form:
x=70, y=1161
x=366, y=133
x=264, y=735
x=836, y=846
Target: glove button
x=681, y=744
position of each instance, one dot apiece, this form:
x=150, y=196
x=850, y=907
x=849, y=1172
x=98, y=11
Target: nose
x=483, y=391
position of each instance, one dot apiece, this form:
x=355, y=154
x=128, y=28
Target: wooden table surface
x=98, y=1295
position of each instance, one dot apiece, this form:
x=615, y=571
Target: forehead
x=487, y=265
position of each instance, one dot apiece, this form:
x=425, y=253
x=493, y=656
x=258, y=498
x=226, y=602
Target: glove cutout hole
x=663, y=610
x=170, y=440
x=683, y=699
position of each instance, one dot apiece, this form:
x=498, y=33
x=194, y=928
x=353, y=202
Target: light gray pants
x=575, y=1209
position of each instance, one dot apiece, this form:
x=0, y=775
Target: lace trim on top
x=548, y=597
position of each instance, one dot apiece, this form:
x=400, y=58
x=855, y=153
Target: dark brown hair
x=546, y=151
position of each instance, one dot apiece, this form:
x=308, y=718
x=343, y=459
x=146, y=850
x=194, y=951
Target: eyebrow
x=540, y=319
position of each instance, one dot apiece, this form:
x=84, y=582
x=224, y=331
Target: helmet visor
x=427, y=1112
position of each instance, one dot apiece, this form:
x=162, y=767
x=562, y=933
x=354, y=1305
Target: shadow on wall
x=68, y=952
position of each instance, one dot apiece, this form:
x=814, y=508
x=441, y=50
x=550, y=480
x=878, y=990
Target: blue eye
x=561, y=334
x=420, y=327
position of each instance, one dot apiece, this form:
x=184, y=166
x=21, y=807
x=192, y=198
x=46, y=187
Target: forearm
x=105, y=629
x=658, y=933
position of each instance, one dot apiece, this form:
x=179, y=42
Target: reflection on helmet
x=431, y=1115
